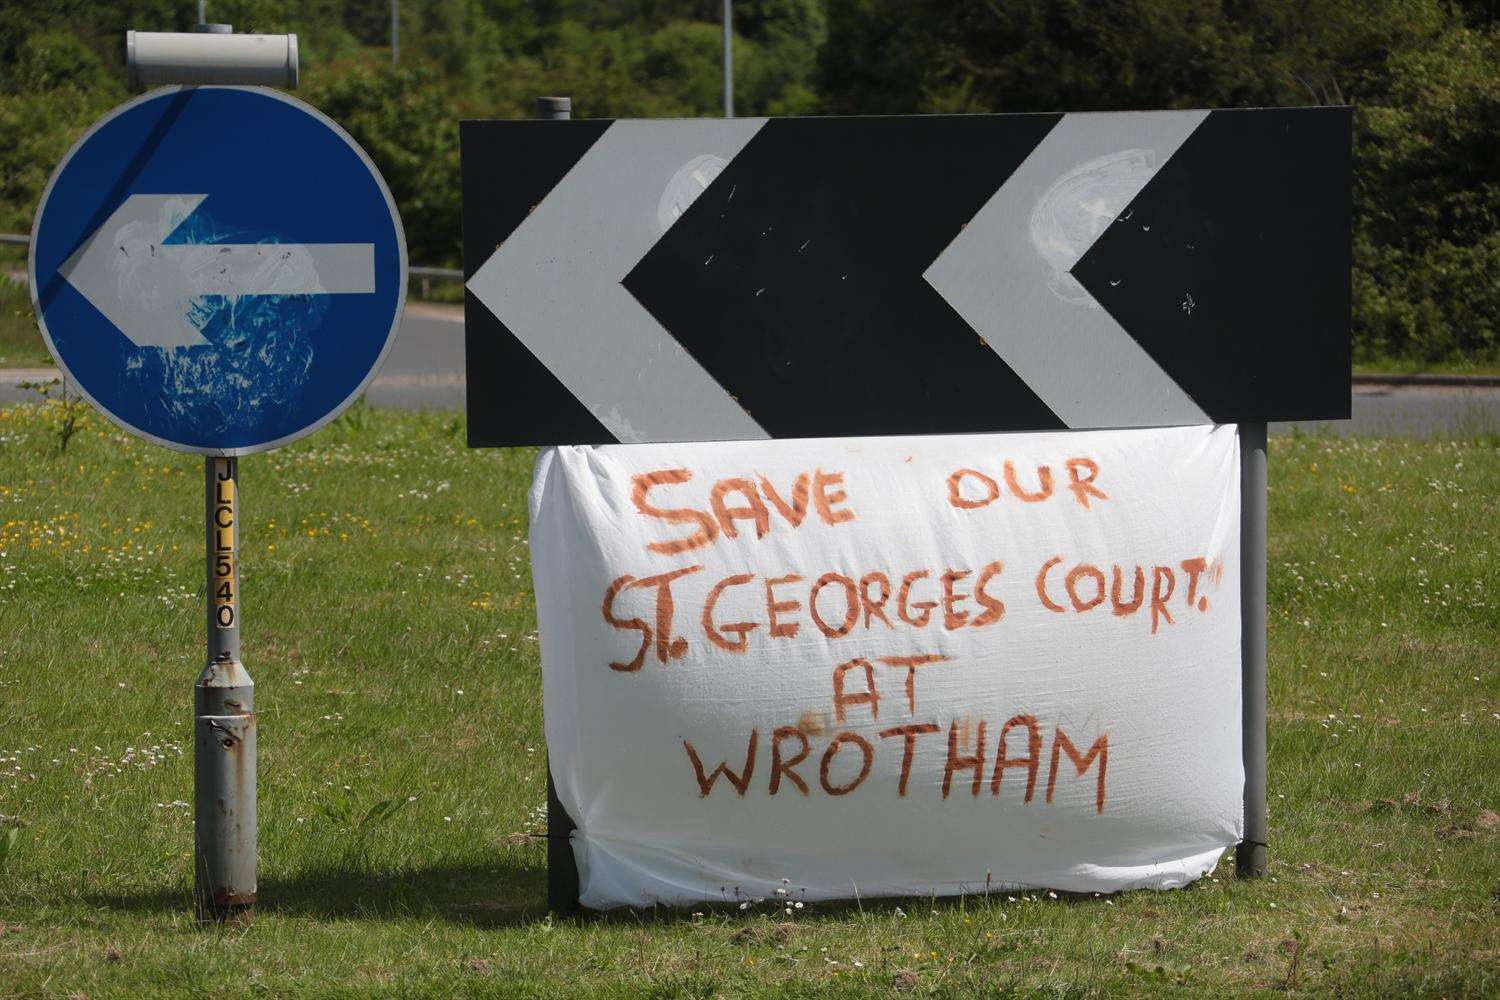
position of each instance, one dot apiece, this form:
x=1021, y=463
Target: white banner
x=892, y=666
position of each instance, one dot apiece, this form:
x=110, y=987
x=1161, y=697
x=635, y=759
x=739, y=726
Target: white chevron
x=556, y=281
x=1006, y=273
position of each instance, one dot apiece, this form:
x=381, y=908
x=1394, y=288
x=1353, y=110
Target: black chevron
x=1231, y=267
x=796, y=280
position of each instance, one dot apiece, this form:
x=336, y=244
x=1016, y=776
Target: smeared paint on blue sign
x=218, y=269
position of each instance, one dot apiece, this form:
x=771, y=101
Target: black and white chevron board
x=752, y=278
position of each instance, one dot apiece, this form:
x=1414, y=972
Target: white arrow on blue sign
x=218, y=269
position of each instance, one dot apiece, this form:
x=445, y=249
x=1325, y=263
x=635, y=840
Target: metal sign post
x=728, y=58
x=278, y=278
x=1250, y=856
x=562, y=867
x=224, y=832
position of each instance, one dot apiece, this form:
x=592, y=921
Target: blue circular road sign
x=218, y=269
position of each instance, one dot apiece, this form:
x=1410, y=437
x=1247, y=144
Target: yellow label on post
x=225, y=577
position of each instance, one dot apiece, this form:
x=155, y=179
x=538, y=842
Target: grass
x=390, y=630
x=1480, y=365
x=442, y=290
x=21, y=343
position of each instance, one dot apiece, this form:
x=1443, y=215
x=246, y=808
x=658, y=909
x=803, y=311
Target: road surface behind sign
x=425, y=371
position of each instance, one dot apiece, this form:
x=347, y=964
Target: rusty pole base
x=227, y=911
x=224, y=831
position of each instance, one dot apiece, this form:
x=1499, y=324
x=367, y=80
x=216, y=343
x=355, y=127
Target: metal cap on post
x=554, y=108
x=213, y=54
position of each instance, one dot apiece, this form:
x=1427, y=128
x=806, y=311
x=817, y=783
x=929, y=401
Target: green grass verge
x=390, y=629
x=20, y=341
x=442, y=290
x=1411, y=366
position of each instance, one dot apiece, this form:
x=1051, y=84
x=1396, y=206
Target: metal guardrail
x=445, y=273
x=441, y=273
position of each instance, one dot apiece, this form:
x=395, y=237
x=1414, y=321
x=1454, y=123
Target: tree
x=1422, y=77
x=403, y=118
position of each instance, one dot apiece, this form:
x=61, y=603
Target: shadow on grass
x=490, y=893
x=497, y=893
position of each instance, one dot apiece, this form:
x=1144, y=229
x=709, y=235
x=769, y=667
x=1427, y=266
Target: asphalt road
x=1418, y=411
x=425, y=370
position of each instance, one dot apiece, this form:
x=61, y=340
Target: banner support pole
x=562, y=867
x=1250, y=856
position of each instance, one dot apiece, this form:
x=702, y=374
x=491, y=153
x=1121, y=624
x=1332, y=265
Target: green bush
x=48, y=60
x=404, y=119
x=1427, y=205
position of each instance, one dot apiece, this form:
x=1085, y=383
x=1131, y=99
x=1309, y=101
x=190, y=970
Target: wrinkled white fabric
x=1011, y=619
